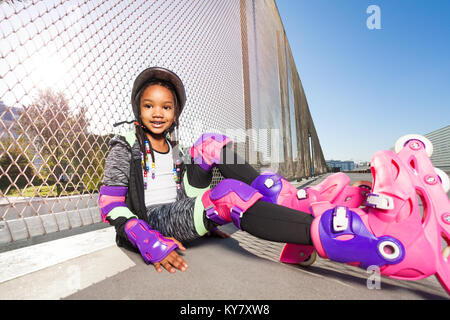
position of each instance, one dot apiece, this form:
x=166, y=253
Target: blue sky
x=366, y=88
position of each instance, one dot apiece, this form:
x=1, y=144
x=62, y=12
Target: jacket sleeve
x=113, y=193
x=117, y=164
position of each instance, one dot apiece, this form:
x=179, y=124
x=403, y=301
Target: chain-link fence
x=66, y=73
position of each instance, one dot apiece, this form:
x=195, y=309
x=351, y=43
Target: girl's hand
x=173, y=260
x=217, y=233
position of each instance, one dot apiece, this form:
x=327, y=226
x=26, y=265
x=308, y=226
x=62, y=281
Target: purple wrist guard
x=151, y=244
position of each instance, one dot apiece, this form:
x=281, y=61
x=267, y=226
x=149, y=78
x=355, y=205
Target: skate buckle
x=301, y=194
x=379, y=201
x=340, y=219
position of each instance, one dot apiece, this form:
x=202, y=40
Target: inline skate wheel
x=445, y=180
x=446, y=253
x=403, y=141
x=310, y=260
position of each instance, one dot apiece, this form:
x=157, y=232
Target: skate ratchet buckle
x=340, y=219
x=379, y=201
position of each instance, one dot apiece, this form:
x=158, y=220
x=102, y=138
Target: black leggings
x=264, y=220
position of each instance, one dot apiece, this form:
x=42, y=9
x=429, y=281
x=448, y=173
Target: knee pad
x=273, y=187
x=207, y=149
x=228, y=201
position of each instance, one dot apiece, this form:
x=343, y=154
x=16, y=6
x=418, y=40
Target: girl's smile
x=157, y=109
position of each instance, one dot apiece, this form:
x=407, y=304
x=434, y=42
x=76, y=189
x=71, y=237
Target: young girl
x=156, y=198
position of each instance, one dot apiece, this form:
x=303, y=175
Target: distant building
x=341, y=165
x=441, y=148
x=363, y=164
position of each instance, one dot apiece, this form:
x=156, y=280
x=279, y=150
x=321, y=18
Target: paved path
x=91, y=266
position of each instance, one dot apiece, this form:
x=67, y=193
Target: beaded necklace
x=145, y=165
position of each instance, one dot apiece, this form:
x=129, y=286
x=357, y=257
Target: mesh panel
x=66, y=75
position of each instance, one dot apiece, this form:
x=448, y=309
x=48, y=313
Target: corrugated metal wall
x=441, y=148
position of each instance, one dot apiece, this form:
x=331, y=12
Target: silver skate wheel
x=445, y=180
x=402, y=141
x=310, y=260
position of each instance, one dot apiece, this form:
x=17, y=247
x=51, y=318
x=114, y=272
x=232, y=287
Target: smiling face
x=157, y=109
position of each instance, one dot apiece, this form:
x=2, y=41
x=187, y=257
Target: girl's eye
x=148, y=106
x=167, y=107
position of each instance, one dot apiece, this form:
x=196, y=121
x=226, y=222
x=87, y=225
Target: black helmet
x=153, y=74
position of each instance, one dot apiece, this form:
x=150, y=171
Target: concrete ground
x=89, y=266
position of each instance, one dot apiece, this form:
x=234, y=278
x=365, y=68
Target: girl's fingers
x=172, y=261
x=177, y=261
x=167, y=266
x=158, y=267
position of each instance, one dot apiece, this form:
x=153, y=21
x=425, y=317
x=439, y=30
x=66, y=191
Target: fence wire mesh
x=66, y=73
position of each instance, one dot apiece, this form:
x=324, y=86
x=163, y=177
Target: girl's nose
x=157, y=112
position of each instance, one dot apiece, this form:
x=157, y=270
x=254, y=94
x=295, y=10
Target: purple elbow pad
x=110, y=198
x=151, y=244
x=207, y=149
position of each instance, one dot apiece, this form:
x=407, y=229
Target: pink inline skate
x=391, y=232
x=335, y=189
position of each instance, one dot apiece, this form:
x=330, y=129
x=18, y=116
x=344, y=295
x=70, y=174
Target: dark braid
x=141, y=130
